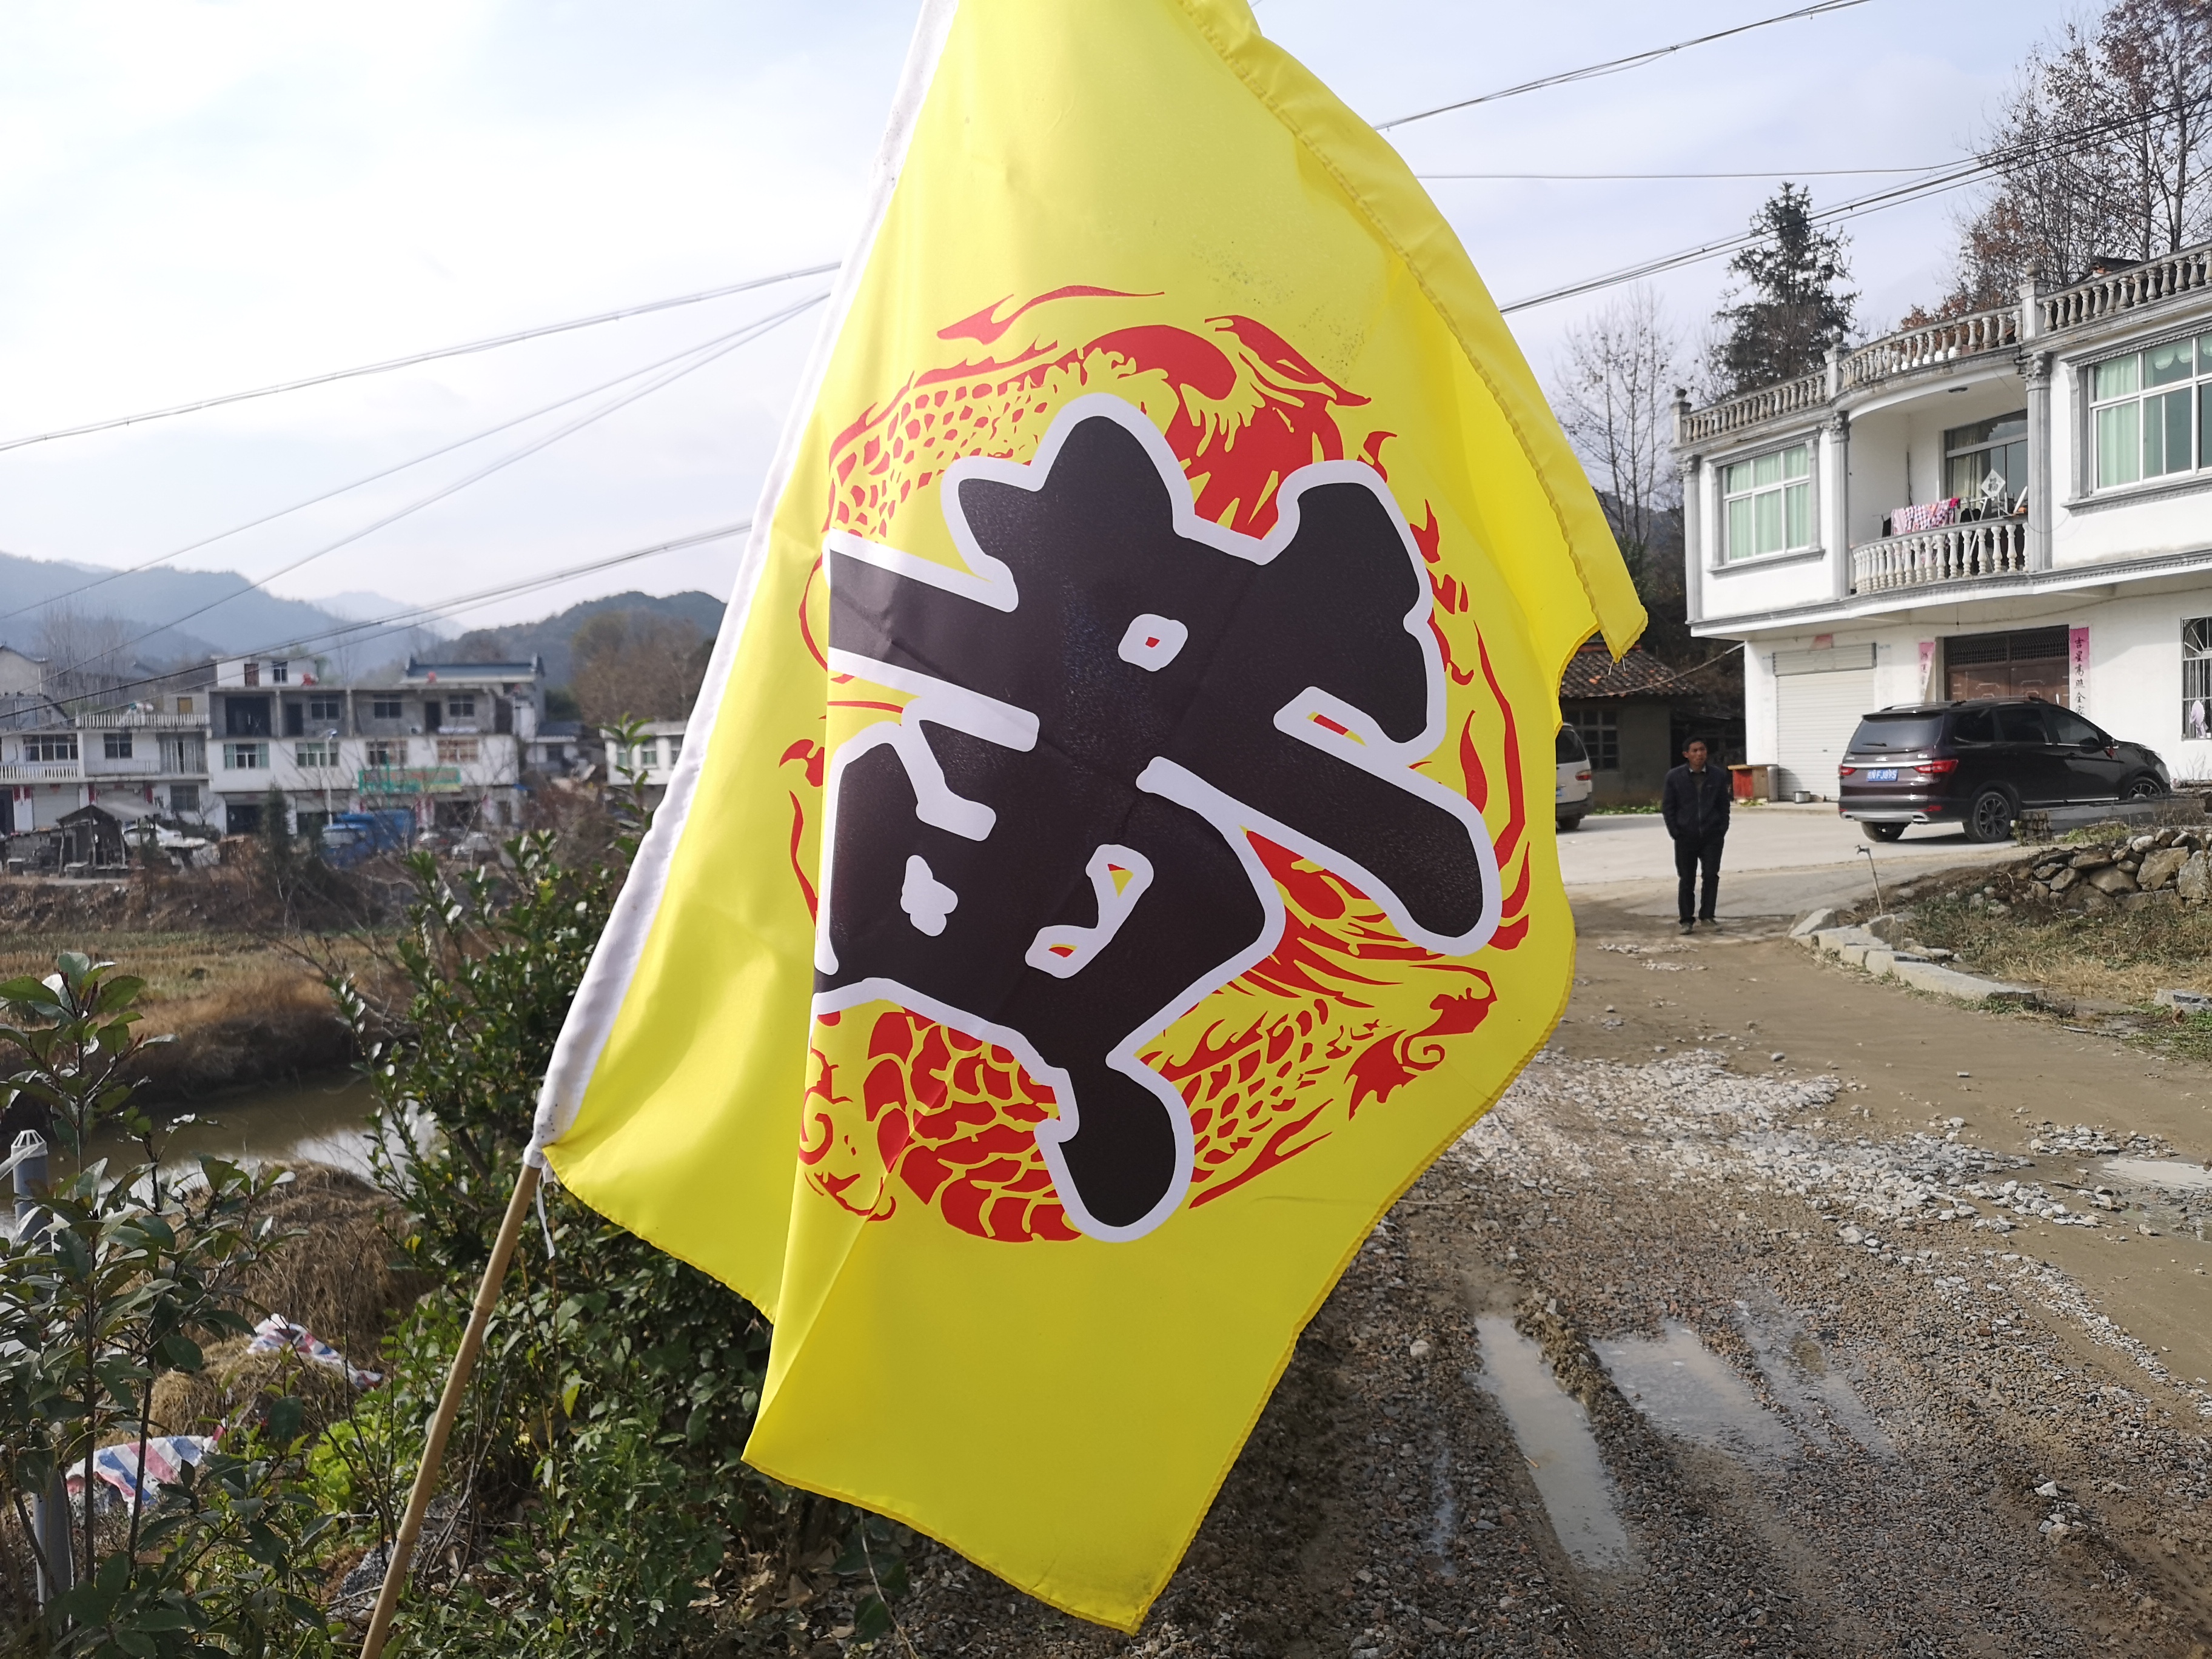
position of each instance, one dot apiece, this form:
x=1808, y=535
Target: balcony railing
x=1996, y=330
x=130, y=720
x=407, y=780
x=42, y=772
x=2124, y=290
x=1955, y=553
x=1756, y=408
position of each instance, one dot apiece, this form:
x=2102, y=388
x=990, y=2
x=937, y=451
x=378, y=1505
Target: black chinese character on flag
x=1049, y=848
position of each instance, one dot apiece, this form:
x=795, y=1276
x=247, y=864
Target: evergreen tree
x=1791, y=309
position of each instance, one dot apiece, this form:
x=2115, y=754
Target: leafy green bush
x=128, y=1274
x=596, y=1469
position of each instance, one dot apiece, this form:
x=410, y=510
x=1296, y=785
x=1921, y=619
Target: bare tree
x=1616, y=398
x=1615, y=388
x=2103, y=151
x=84, y=653
x=632, y=664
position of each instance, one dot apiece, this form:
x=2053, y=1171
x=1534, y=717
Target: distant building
x=445, y=744
x=2010, y=503
x=1635, y=716
x=650, y=762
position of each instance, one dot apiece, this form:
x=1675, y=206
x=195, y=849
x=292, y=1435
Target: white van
x=1572, y=800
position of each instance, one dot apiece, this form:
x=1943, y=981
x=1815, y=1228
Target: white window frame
x=246, y=756
x=1778, y=489
x=315, y=755
x=115, y=745
x=459, y=751
x=2131, y=410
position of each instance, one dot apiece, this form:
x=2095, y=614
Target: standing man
x=1695, y=806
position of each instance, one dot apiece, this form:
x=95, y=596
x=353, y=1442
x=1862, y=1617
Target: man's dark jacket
x=1695, y=804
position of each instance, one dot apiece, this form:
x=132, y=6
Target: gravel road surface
x=1775, y=1310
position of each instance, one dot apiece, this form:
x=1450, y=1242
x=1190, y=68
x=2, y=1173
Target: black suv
x=1978, y=763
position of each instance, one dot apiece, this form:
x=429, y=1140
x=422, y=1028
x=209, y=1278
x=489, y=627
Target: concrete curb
x=1861, y=949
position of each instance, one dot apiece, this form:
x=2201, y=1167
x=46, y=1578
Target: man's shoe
x=1710, y=921
x=1689, y=928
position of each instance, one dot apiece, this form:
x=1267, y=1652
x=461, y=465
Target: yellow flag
x=1110, y=859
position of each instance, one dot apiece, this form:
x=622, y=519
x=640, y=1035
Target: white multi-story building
x=2015, y=502
x=650, y=761
x=150, y=756
x=445, y=743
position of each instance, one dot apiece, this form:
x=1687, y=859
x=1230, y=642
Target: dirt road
x=1724, y=1333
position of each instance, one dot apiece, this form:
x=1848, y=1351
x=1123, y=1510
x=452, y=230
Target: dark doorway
x=242, y=820
x=433, y=715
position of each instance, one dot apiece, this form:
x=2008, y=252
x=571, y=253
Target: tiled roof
x=1593, y=673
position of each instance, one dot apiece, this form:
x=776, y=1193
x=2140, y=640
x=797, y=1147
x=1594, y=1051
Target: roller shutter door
x=1817, y=715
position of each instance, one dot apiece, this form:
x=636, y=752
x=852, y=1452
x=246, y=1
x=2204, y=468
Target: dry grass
x=2122, y=957
x=243, y=1009
x=336, y=1278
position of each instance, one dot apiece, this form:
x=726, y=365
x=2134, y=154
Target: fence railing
x=1957, y=552
x=42, y=772
x=1756, y=408
x=1995, y=329
x=2124, y=290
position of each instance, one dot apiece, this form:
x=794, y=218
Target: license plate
x=1558, y=794
x=1882, y=774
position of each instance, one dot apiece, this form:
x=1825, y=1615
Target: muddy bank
x=240, y=990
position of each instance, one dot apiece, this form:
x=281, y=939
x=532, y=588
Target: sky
x=197, y=198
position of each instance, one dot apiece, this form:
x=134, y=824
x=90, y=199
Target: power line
x=1616, y=65
x=1958, y=174
x=1787, y=173
x=462, y=350
x=372, y=477
x=608, y=408
x=400, y=622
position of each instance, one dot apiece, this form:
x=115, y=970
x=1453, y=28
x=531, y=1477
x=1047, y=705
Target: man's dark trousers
x=1689, y=855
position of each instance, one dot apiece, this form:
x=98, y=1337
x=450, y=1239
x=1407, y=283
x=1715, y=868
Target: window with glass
x=60, y=747
x=1985, y=464
x=1766, y=504
x=461, y=709
x=320, y=709
x=246, y=756
x=115, y=745
x=312, y=757
x=382, y=756
x=1599, y=731
x=383, y=708
x=2197, y=677
x=456, y=752
x=184, y=797
x=2152, y=410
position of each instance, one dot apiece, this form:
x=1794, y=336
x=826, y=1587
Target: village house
x=2016, y=501
x=650, y=762
x=445, y=743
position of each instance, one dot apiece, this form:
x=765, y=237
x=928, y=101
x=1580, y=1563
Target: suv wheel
x=1989, y=817
x=1883, y=831
x=2145, y=787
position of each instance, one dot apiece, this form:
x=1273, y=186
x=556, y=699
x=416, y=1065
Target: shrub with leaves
x=122, y=1275
x=593, y=1499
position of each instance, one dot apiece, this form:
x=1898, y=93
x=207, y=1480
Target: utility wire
x=1616, y=65
x=1957, y=175
x=462, y=350
x=1790, y=172
x=372, y=477
x=531, y=448
x=400, y=622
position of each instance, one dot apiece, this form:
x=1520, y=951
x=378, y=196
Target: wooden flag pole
x=449, y=1407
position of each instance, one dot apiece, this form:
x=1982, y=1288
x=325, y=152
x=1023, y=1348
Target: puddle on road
x=1804, y=1381
x=1691, y=1392
x=1554, y=1433
x=2172, y=1175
